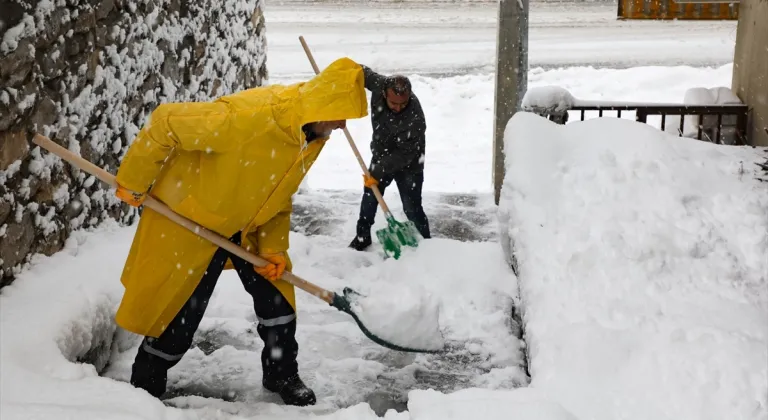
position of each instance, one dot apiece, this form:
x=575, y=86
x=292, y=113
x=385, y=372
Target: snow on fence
x=87, y=74
x=715, y=115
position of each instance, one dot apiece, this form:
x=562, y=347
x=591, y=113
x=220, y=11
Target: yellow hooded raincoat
x=230, y=165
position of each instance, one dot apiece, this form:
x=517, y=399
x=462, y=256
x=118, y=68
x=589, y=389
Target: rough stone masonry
x=87, y=73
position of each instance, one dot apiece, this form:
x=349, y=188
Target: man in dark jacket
x=397, y=147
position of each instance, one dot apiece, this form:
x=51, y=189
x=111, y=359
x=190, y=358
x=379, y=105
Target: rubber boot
x=292, y=390
x=361, y=243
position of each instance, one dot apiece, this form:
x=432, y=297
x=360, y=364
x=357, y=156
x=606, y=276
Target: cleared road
x=443, y=39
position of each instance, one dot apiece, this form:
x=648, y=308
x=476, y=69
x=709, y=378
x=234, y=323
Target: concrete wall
x=87, y=73
x=750, y=66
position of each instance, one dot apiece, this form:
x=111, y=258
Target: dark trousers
x=409, y=185
x=277, y=327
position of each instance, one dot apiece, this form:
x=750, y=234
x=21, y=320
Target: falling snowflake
x=277, y=353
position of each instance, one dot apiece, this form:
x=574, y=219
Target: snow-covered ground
x=643, y=264
x=64, y=304
x=614, y=344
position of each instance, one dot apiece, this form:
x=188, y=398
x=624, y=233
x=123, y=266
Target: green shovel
x=397, y=234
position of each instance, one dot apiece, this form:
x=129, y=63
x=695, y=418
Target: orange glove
x=274, y=271
x=131, y=197
x=369, y=181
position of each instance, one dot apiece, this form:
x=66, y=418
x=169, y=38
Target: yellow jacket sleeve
x=272, y=236
x=203, y=126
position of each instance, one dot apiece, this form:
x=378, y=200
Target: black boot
x=151, y=381
x=150, y=372
x=360, y=243
x=292, y=390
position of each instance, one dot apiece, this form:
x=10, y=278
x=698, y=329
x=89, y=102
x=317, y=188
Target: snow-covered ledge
x=87, y=74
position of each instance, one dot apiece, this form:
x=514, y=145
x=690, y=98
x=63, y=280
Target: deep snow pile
x=64, y=304
x=643, y=269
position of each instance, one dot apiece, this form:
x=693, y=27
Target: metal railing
x=721, y=124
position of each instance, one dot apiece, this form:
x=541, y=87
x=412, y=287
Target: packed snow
x=552, y=98
x=703, y=96
x=406, y=317
x=643, y=269
x=220, y=376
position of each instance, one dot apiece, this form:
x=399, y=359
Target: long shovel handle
x=163, y=209
x=360, y=160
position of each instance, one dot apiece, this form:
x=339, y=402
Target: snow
x=555, y=98
x=42, y=375
x=13, y=35
x=405, y=316
x=642, y=258
x=719, y=95
x=519, y=404
x=643, y=270
x=459, y=115
x=421, y=38
x=61, y=196
x=10, y=171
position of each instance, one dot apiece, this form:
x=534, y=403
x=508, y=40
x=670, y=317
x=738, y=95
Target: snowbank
x=51, y=317
x=643, y=269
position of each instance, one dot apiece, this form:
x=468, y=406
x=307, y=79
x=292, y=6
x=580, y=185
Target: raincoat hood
x=337, y=93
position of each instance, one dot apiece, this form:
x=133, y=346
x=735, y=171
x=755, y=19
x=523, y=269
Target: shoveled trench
x=466, y=218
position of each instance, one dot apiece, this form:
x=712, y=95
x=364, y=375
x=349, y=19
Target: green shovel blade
x=397, y=235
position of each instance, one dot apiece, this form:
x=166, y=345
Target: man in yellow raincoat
x=231, y=165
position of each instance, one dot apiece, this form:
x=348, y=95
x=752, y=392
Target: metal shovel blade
x=343, y=303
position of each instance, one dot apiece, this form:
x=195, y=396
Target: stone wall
x=87, y=73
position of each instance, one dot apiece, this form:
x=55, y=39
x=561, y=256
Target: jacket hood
x=336, y=93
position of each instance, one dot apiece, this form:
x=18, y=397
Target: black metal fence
x=721, y=124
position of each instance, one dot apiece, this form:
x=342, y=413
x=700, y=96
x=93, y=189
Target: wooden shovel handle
x=360, y=160
x=163, y=209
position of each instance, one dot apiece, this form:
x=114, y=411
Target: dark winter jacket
x=398, y=139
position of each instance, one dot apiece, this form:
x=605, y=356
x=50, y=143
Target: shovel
x=396, y=234
x=345, y=302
